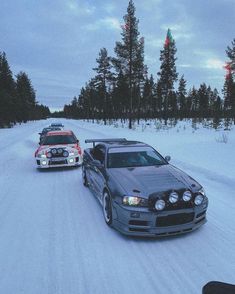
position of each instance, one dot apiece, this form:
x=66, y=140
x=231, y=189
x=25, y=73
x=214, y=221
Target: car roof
x=60, y=133
x=57, y=124
x=123, y=144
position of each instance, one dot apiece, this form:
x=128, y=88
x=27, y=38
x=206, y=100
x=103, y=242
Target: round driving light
x=49, y=155
x=187, y=196
x=60, y=150
x=44, y=162
x=160, y=204
x=53, y=151
x=65, y=154
x=71, y=160
x=198, y=199
x=174, y=197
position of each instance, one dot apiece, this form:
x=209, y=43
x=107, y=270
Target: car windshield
x=134, y=156
x=59, y=139
x=46, y=130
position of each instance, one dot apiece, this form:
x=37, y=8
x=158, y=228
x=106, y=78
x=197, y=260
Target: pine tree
x=192, y=102
x=231, y=55
x=181, y=95
x=8, y=107
x=26, y=97
x=229, y=85
x=168, y=74
x=203, y=99
x=120, y=92
x=130, y=54
x=104, y=75
x=149, y=101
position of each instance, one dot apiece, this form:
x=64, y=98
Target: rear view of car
x=59, y=149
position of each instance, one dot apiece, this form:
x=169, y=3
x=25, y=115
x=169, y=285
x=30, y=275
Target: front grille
x=174, y=219
x=138, y=223
x=58, y=162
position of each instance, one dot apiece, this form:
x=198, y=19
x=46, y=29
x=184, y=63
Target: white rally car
x=57, y=149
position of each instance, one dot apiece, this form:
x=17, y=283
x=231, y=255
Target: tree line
x=17, y=97
x=122, y=88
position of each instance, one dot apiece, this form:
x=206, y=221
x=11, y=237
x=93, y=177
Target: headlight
x=202, y=191
x=41, y=155
x=72, y=153
x=187, y=196
x=53, y=151
x=60, y=151
x=160, y=204
x=134, y=201
x=65, y=154
x=198, y=199
x=49, y=155
x=174, y=197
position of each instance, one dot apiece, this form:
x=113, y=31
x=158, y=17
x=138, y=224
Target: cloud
x=208, y=59
x=150, y=5
x=185, y=65
x=80, y=8
x=109, y=7
x=152, y=41
x=179, y=31
x=107, y=23
x=214, y=63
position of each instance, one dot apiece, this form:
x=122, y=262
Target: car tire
x=84, y=178
x=107, y=208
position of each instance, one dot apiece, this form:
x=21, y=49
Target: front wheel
x=107, y=208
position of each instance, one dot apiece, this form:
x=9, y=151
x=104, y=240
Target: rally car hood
x=45, y=148
x=153, y=179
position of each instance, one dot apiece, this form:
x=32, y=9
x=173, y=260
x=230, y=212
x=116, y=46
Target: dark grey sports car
x=140, y=192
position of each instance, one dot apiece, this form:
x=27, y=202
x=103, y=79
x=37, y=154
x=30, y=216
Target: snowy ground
x=53, y=238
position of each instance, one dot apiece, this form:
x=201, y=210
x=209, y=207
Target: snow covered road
x=53, y=238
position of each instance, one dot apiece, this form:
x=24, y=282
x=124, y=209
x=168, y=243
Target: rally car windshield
x=59, y=139
x=136, y=156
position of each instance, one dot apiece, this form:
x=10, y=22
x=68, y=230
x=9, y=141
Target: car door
x=97, y=172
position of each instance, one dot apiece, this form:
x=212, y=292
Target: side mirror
x=39, y=134
x=97, y=163
x=167, y=158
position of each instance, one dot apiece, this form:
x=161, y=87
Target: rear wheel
x=107, y=208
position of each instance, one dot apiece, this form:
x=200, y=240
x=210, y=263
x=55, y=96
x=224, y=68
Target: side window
x=99, y=153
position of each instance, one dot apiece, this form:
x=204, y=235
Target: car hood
x=153, y=179
x=68, y=147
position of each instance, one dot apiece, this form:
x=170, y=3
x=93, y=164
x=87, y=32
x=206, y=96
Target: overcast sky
x=57, y=41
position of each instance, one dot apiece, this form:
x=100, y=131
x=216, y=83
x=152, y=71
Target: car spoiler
x=105, y=140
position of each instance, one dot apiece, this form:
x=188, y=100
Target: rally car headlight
x=134, y=201
x=187, y=196
x=41, y=155
x=174, y=197
x=198, y=199
x=49, y=155
x=160, y=204
x=65, y=153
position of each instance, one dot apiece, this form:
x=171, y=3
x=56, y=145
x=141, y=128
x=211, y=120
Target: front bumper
x=59, y=162
x=142, y=222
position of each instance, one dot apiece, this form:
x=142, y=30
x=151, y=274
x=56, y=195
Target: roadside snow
x=53, y=238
